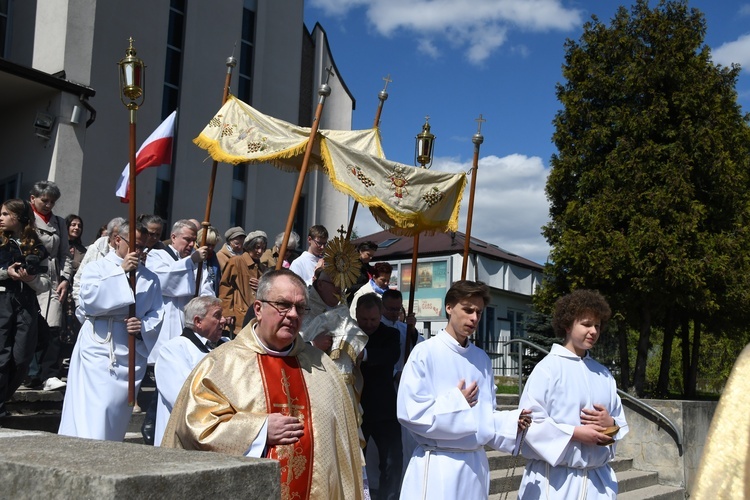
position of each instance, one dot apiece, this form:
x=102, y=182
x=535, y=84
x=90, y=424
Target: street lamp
x=423, y=150
x=132, y=95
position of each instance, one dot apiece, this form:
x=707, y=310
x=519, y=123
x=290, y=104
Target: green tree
x=650, y=190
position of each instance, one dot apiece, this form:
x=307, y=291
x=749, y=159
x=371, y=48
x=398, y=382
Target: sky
x=453, y=60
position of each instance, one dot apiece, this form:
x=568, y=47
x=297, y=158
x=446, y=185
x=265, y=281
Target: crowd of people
x=282, y=364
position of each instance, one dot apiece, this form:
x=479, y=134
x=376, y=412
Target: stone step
x=38, y=410
x=504, y=478
x=631, y=480
x=501, y=460
x=507, y=400
x=655, y=492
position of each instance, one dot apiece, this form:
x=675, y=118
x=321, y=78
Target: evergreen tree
x=650, y=190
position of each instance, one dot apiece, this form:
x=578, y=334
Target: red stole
x=286, y=393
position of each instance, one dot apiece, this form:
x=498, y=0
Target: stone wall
x=38, y=465
x=654, y=448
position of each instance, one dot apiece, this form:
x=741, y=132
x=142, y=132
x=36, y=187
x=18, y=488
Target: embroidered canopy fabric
x=403, y=199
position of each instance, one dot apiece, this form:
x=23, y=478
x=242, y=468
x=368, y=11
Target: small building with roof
x=512, y=280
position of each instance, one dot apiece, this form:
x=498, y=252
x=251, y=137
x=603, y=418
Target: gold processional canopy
x=403, y=199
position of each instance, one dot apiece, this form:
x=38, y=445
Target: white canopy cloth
x=404, y=199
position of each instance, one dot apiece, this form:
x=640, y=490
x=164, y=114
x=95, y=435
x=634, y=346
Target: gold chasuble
x=724, y=470
x=289, y=398
x=225, y=401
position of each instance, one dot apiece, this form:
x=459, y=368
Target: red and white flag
x=157, y=150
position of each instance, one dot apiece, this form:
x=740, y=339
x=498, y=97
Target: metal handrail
x=660, y=417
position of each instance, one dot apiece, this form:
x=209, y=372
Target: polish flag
x=157, y=150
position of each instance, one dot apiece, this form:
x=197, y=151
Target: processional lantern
x=424, y=145
x=132, y=78
x=423, y=150
x=132, y=95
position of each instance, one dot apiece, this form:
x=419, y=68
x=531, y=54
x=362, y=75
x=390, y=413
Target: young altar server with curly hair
x=573, y=400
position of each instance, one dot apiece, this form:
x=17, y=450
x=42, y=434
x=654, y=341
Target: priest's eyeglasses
x=283, y=307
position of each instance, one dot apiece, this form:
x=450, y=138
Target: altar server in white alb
x=573, y=400
x=446, y=399
x=204, y=325
x=177, y=266
x=96, y=399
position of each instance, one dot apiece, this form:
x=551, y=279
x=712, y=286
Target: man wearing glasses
x=269, y=394
x=96, y=399
x=304, y=265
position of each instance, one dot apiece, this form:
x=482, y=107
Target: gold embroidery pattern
x=227, y=129
x=257, y=146
x=215, y=121
x=360, y=175
x=433, y=196
x=398, y=183
x=296, y=462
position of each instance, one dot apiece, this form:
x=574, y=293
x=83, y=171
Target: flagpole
x=323, y=92
x=477, y=139
x=382, y=97
x=231, y=63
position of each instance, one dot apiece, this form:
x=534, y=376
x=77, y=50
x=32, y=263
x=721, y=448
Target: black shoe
x=147, y=431
x=33, y=384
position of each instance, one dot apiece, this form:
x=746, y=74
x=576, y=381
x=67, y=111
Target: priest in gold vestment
x=269, y=394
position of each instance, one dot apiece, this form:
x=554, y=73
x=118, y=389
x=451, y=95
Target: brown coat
x=234, y=290
x=223, y=257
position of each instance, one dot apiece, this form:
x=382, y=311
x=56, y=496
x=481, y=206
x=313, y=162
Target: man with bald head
x=269, y=394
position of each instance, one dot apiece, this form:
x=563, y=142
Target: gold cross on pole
x=479, y=121
x=329, y=70
x=387, y=80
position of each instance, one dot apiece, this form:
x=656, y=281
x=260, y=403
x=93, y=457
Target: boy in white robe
x=204, y=325
x=573, y=399
x=446, y=399
x=96, y=398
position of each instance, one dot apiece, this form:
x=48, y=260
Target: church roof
x=393, y=247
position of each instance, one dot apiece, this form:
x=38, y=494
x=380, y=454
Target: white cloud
x=477, y=26
x=737, y=51
x=745, y=10
x=337, y=7
x=428, y=47
x=510, y=206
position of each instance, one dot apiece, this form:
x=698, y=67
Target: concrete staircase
x=506, y=472
x=39, y=410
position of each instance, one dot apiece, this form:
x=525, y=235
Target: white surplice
x=177, y=358
x=96, y=397
x=450, y=459
x=407, y=439
x=561, y=385
x=177, y=279
x=304, y=266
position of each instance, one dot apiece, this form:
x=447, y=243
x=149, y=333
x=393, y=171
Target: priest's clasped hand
x=283, y=429
x=470, y=392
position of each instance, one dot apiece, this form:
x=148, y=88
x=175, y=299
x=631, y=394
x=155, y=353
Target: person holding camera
x=22, y=276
